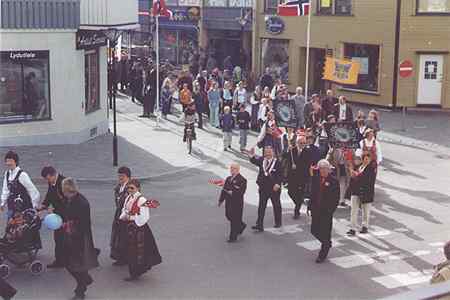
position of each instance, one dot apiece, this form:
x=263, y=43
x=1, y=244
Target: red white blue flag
x=294, y=8
x=160, y=9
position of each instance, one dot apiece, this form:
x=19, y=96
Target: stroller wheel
x=5, y=271
x=36, y=267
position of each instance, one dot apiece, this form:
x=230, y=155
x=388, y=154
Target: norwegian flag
x=218, y=182
x=160, y=9
x=294, y=8
x=151, y=203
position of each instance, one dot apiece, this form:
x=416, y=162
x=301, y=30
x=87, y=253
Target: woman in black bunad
x=142, y=251
x=118, y=248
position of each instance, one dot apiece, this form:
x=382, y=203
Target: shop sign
x=190, y=14
x=24, y=55
x=274, y=25
x=189, y=2
x=90, y=39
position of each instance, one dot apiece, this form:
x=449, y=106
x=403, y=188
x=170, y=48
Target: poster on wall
x=341, y=71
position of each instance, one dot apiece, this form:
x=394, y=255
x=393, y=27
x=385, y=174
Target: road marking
x=289, y=229
x=394, y=281
x=314, y=245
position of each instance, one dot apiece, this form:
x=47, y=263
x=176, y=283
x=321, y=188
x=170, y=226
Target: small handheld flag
x=218, y=182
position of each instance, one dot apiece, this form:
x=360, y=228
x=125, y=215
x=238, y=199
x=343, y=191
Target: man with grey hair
x=325, y=193
x=233, y=194
x=299, y=101
x=81, y=255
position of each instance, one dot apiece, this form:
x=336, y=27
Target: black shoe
x=131, y=278
x=144, y=116
x=258, y=228
x=79, y=297
x=296, y=216
x=231, y=240
x=320, y=260
x=90, y=281
x=119, y=263
x=351, y=232
x=364, y=230
x=242, y=228
x=277, y=226
x=343, y=204
x=55, y=265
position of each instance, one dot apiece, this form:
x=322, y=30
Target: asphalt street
x=409, y=226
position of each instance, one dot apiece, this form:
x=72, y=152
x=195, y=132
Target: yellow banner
x=341, y=70
x=325, y=3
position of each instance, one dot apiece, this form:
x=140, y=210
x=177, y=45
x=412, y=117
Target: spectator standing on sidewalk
x=214, y=104
x=227, y=95
x=243, y=121
x=227, y=128
x=300, y=102
x=240, y=95
x=166, y=96
x=199, y=103
x=255, y=101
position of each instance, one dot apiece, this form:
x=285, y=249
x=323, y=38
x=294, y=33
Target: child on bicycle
x=189, y=120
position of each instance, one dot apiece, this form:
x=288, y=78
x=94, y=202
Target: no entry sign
x=406, y=69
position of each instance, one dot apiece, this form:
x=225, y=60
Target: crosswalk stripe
x=397, y=280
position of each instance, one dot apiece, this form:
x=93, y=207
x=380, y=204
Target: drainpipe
x=396, y=53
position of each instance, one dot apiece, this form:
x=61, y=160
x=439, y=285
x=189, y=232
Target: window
x=335, y=7
x=24, y=86
x=369, y=58
x=275, y=56
x=91, y=81
x=433, y=6
x=270, y=6
x=240, y=3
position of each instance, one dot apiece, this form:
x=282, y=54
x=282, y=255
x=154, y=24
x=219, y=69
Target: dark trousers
x=274, y=197
x=149, y=104
x=83, y=279
x=200, y=119
x=236, y=226
x=324, y=249
x=58, y=236
x=297, y=195
x=6, y=290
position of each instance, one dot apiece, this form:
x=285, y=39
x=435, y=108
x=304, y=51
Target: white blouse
x=142, y=217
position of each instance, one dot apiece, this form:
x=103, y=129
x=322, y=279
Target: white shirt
x=262, y=112
x=25, y=180
x=144, y=212
x=369, y=144
x=342, y=111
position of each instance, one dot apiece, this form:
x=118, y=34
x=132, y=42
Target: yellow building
x=362, y=30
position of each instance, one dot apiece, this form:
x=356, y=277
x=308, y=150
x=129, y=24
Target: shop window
x=91, y=81
x=275, y=56
x=369, y=58
x=24, y=86
x=334, y=7
x=433, y=6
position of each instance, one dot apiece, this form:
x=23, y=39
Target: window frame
x=427, y=13
x=333, y=9
x=378, y=77
x=97, y=55
x=270, y=10
x=27, y=120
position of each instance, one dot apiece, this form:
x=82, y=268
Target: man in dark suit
x=298, y=173
x=269, y=183
x=324, y=201
x=343, y=111
x=55, y=198
x=233, y=194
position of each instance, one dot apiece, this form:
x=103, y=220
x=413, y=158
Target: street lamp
x=243, y=20
x=113, y=35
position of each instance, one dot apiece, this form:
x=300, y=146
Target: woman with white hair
x=325, y=193
x=81, y=255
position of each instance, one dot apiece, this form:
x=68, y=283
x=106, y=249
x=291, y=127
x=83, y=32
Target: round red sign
x=406, y=69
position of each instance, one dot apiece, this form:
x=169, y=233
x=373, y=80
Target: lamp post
x=113, y=35
x=243, y=20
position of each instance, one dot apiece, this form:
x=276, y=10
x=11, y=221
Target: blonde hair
x=70, y=185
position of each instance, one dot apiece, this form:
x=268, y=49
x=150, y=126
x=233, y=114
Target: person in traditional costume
x=233, y=194
x=142, y=251
x=370, y=145
x=269, y=182
x=80, y=253
x=55, y=199
x=325, y=193
x=118, y=247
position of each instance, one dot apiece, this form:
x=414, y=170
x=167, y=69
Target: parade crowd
x=303, y=158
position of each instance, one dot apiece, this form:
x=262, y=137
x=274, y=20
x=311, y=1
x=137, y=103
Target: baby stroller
x=21, y=243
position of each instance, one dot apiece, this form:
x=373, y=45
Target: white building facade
x=53, y=76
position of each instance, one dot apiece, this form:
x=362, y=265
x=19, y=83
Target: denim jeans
x=243, y=138
x=227, y=136
x=214, y=115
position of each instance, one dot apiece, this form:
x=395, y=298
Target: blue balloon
x=53, y=221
